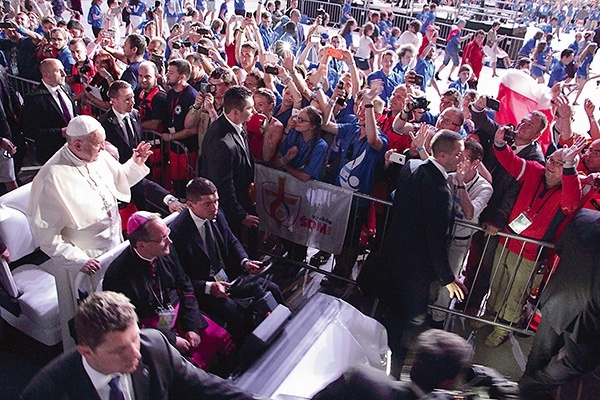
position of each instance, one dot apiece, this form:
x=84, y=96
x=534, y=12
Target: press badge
x=166, y=317
x=520, y=223
x=221, y=276
x=172, y=130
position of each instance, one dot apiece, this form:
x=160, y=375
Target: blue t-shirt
x=223, y=11
x=558, y=74
x=138, y=9
x=358, y=159
x=347, y=9
x=284, y=117
x=389, y=82
x=429, y=19
x=311, y=155
x=453, y=43
x=458, y=85
x=426, y=68
x=95, y=11
x=527, y=48
x=268, y=37
x=582, y=70
x=540, y=60
x=348, y=39
x=239, y=5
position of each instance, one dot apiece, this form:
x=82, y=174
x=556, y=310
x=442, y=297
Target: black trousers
x=542, y=376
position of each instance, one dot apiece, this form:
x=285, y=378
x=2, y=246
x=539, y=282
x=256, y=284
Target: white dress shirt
x=100, y=382
x=57, y=91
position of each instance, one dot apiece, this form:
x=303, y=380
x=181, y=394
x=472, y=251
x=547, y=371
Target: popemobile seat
x=28, y=299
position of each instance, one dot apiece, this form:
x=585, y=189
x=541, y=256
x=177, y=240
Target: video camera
x=479, y=376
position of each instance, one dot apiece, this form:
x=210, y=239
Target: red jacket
x=548, y=209
x=473, y=55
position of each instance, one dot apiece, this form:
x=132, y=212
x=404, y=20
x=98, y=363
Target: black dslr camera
x=509, y=134
x=418, y=102
x=85, y=68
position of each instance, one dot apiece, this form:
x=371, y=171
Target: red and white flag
x=519, y=94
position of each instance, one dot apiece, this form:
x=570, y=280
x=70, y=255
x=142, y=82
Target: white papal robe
x=74, y=216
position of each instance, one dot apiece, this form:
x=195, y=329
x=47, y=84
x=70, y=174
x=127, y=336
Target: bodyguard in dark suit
x=49, y=108
x=570, y=306
x=440, y=360
x=113, y=356
x=225, y=159
x=212, y=256
x=122, y=122
x=415, y=249
x=123, y=130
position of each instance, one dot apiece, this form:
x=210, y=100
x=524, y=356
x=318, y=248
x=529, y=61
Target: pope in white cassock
x=73, y=207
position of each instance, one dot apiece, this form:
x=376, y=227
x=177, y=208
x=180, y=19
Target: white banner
x=311, y=213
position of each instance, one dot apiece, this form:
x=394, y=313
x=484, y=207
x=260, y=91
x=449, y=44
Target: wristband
x=314, y=95
x=460, y=187
x=350, y=63
x=420, y=148
x=331, y=102
x=286, y=80
x=318, y=87
x=369, y=106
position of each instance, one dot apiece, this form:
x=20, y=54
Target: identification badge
x=166, y=317
x=172, y=130
x=221, y=276
x=520, y=223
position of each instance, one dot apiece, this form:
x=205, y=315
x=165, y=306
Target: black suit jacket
x=44, y=122
x=416, y=246
x=192, y=253
x=366, y=383
x=224, y=161
x=117, y=136
x=162, y=374
x=571, y=300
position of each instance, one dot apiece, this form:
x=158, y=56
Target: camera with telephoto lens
x=418, y=102
x=509, y=134
x=85, y=68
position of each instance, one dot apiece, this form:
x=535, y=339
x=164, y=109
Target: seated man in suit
x=441, y=360
x=212, y=256
x=150, y=275
x=115, y=360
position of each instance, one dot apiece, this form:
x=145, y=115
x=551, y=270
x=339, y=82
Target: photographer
x=441, y=362
x=495, y=216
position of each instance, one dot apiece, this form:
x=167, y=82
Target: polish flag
x=519, y=94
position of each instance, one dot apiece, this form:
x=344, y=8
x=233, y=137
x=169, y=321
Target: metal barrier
x=371, y=241
x=171, y=164
x=310, y=7
x=21, y=85
x=511, y=44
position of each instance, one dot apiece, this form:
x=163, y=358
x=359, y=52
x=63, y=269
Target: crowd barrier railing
x=310, y=7
x=170, y=161
x=372, y=236
x=21, y=85
x=511, y=44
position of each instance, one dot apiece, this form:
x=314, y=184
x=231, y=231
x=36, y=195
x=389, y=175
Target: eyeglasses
x=551, y=160
x=446, y=120
x=162, y=239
